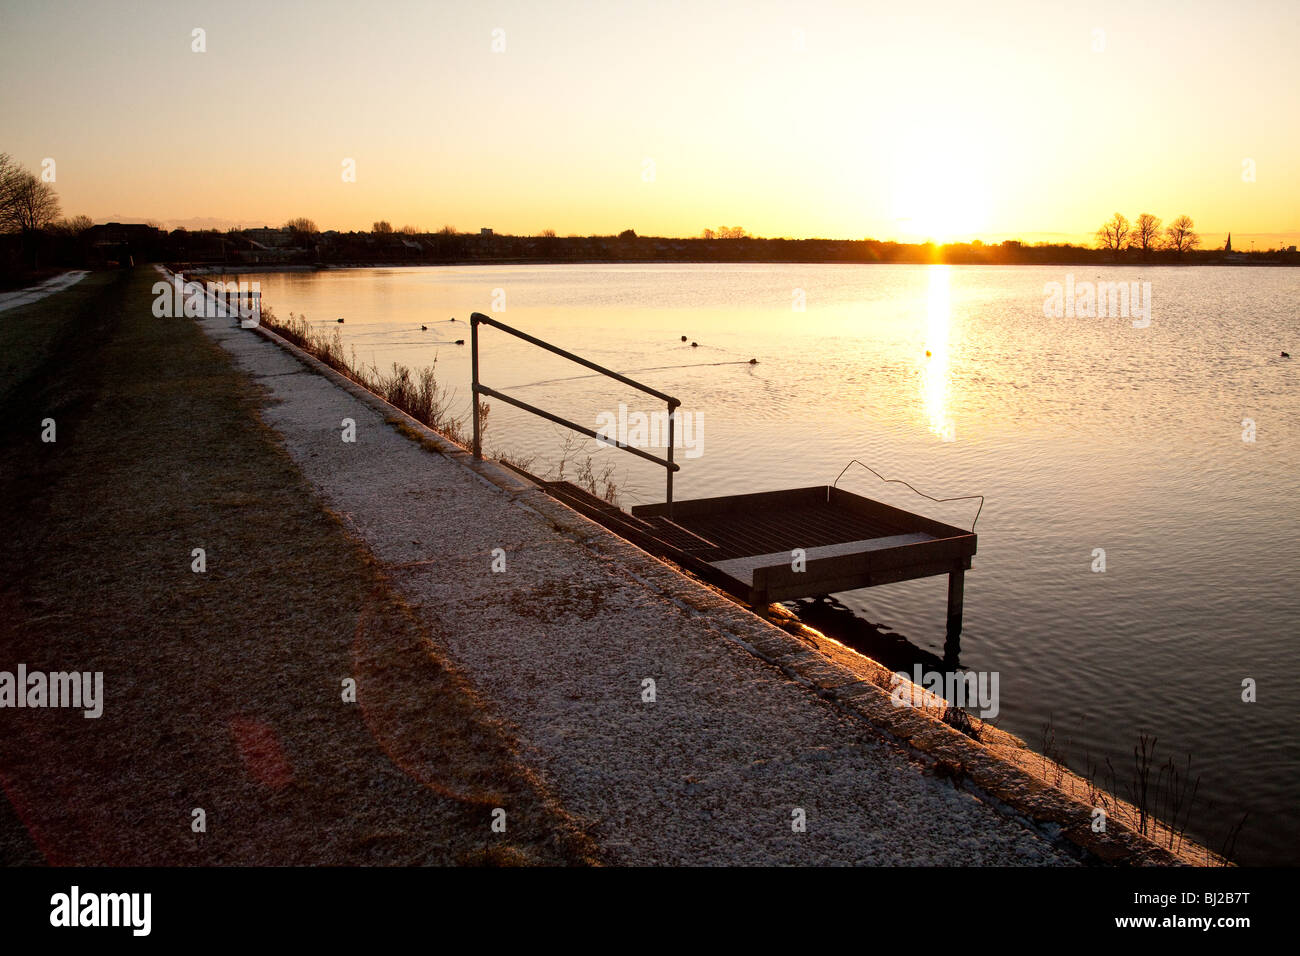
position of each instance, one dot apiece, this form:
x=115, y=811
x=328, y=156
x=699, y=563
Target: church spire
x=1228, y=247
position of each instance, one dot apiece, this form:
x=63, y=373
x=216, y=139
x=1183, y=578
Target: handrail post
x=672, y=418
x=473, y=340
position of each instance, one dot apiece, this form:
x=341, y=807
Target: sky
x=938, y=120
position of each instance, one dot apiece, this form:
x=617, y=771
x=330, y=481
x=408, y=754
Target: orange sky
x=943, y=120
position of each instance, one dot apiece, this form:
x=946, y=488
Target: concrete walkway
x=11, y=300
x=730, y=753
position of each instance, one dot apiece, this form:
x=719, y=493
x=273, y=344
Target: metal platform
x=802, y=542
x=766, y=547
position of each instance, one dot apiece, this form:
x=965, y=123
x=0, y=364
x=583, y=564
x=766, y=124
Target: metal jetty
x=767, y=546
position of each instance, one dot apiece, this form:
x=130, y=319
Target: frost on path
x=11, y=300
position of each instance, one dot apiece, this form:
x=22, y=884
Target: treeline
x=1146, y=236
x=34, y=237
x=299, y=242
x=450, y=247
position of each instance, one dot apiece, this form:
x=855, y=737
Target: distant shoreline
x=229, y=269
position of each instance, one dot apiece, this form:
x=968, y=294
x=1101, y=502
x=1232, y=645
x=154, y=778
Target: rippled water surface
x=1082, y=433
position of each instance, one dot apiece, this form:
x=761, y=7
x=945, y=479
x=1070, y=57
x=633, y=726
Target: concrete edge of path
x=1060, y=818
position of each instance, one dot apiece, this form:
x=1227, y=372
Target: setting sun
x=938, y=189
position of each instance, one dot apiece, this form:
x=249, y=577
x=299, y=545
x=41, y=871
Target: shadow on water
x=835, y=620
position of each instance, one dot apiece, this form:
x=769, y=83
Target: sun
x=938, y=194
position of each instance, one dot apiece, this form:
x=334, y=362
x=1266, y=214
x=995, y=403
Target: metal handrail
x=478, y=318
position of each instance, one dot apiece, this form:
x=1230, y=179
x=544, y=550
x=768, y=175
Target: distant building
x=120, y=233
x=120, y=241
x=270, y=238
x=1228, y=247
x=485, y=231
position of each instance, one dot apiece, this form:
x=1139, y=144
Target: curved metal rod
x=900, y=481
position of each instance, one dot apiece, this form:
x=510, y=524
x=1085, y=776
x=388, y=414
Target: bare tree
x=383, y=227
x=447, y=231
x=301, y=231
x=10, y=176
x=72, y=227
x=1180, y=235
x=1146, y=233
x=1113, y=233
x=410, y=230
x=30, y=205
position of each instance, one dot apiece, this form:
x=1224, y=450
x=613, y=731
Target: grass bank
x=223, y=689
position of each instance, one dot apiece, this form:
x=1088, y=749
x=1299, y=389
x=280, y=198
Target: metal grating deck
x=751, y=532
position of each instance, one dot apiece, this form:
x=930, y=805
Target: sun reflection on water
x=934, y=368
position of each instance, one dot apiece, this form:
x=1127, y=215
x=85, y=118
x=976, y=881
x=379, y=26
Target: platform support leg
x=956, y=594
x=952, y=642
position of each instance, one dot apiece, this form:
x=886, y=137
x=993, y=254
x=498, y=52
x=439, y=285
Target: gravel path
x=716, y=768
x=11, y=300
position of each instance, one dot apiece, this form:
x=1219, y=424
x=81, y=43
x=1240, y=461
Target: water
x=1082, y=433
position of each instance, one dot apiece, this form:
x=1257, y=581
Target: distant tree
x=409, y=230
x=301, y=231
x=447, y=231
x=11, y=175
x=1113, y=233
x=547, y=233
x=1180, y=235
x=708, y=234
x=31, y=204
x=727, y=232
x=383, y=227
x=627, y=234
x=1146, y=233
x=72, y=227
